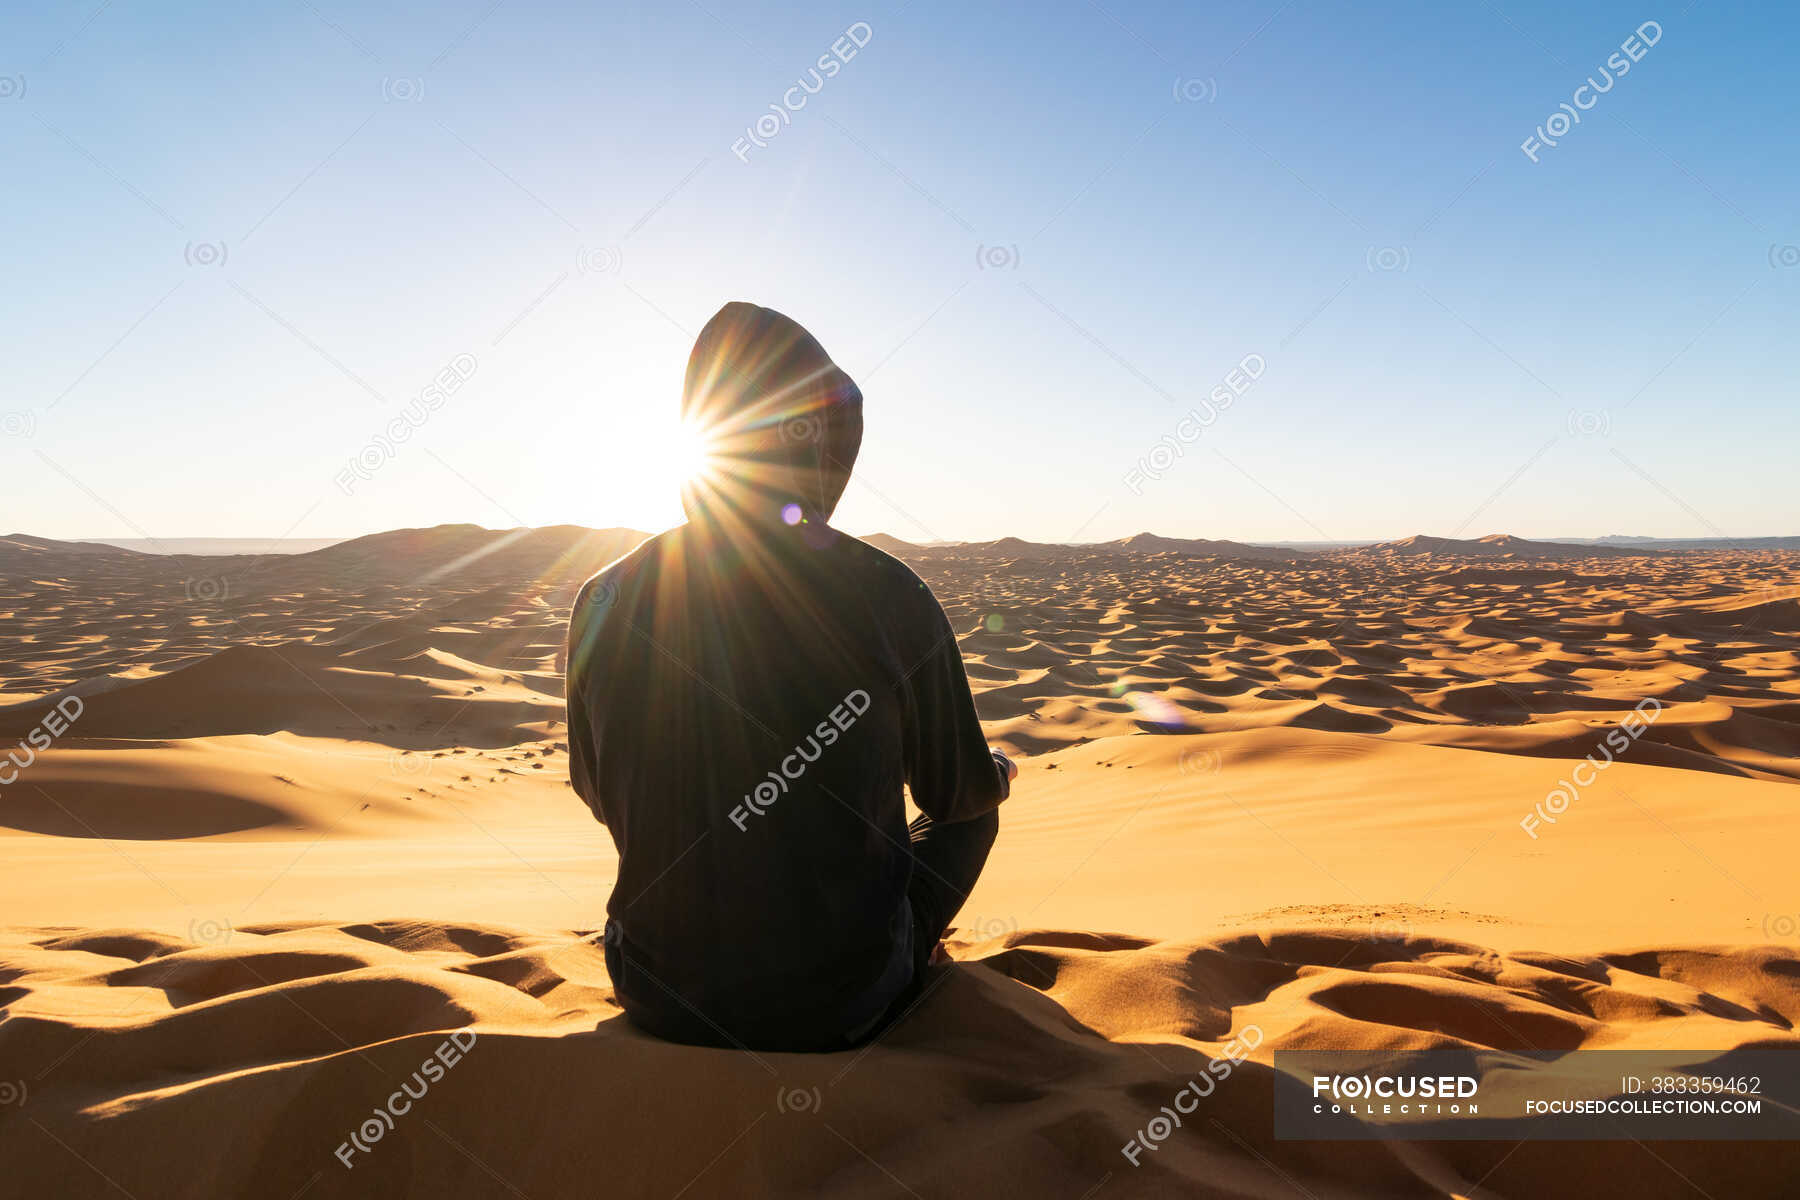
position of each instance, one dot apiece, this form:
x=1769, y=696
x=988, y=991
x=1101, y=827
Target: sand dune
x=1033, y=1062
x=312, y=819
x=412, y=698
x=463, y=553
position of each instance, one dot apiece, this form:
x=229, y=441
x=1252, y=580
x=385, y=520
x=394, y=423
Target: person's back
x=747, y=694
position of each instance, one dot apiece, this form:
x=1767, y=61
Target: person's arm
x=582, y=768
x=953, y=774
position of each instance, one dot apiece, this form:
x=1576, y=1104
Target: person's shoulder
x=602, y=588
x=881, y=566
x=887, y=578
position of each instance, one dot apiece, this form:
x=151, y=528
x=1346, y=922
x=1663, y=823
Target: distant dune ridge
x=444, y=546
x=209, y=546
x=301, y=817
x=20, y=550
x=1142, y=543
x=1497, y=545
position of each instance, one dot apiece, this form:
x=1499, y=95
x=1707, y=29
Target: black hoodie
x=747, y=693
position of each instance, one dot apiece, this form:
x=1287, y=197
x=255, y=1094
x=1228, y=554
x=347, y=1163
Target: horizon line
x=1572, y=539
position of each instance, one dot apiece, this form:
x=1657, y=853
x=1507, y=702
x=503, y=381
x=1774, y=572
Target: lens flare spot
x=792, y=514
x=995, y=623
x=1156, y=710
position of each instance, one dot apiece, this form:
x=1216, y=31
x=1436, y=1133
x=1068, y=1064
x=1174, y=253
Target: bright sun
x=690, y=454
x=648, y=463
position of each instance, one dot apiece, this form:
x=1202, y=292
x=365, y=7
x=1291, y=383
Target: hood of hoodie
x=782, y=423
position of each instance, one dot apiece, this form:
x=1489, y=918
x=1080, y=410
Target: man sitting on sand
x=747, y=694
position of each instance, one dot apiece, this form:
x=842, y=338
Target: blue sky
x=243, y=238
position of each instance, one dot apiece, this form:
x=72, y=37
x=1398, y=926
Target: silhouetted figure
x=747, y=694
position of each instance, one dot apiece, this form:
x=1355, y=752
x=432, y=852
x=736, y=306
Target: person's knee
x=976, y=837
x=985, y=829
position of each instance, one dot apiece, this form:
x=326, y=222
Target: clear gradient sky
x=241, y=238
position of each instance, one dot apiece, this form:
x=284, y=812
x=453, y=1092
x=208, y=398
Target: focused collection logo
x=1395, y=1095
